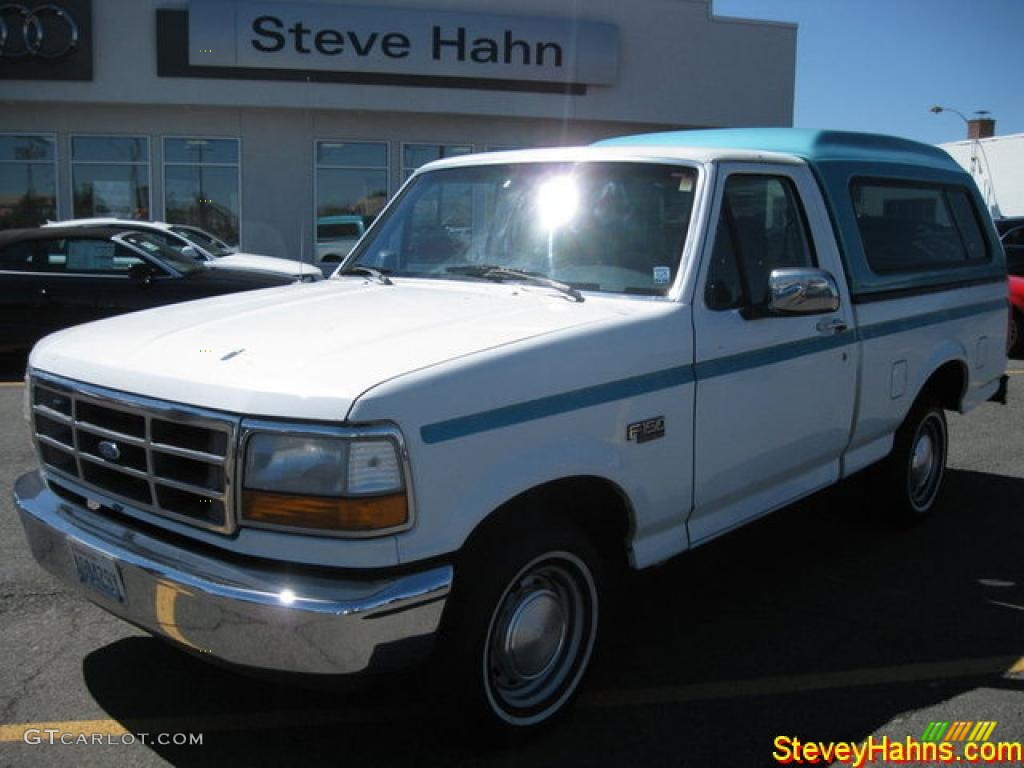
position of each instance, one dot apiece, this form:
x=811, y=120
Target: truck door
x=775, y=394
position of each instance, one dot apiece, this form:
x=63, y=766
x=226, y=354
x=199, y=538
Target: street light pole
x=974, y=141
x=975, y=145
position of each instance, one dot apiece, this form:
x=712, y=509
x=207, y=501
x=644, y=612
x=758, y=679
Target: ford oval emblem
x=108, y=450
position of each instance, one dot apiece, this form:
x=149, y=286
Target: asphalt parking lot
x=823, y=621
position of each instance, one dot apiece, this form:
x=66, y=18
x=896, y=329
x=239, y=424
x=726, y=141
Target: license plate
x=97, y=571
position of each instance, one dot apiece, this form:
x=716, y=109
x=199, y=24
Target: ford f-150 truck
x=536, y=367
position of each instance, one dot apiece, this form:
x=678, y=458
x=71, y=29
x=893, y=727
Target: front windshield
x=162, y=253
x=611, y=227
x=204, y=240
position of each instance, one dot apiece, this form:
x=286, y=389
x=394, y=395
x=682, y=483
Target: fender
x=950, y=350
x=657, y=529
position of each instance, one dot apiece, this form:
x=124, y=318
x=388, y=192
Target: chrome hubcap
x=923, y=461
x=534, y=634
x=926, y=462
x=540, y=638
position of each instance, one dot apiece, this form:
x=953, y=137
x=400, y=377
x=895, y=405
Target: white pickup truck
x=535, y=367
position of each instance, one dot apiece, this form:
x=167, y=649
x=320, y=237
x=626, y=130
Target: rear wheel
x=523, y=623
x=914, y=471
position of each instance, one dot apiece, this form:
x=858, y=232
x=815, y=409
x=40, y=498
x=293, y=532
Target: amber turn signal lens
x=372, y=513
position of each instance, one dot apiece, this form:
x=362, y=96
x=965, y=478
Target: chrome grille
x=168, y=459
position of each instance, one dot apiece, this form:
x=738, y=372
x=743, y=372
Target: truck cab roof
x=814, y=146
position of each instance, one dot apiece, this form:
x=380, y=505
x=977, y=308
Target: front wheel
x=917, y=465
x=524, y=623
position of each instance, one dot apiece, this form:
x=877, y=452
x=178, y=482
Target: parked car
x=490, y=411
x=336, y=236
x=201, y=246
x=1012, y=238
x=55, y=277
x=1006, y=223
x=1016, y=334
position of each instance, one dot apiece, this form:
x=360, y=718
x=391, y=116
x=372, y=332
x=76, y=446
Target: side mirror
x=802, y=291
x=190, y=252
x=141, y=272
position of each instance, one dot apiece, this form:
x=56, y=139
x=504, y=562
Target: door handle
x=833, y=326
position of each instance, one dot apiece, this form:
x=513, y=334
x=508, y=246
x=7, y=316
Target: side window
x=908, y=227
x=52, y=255
x=99, y=257
x=17, y=257
x=761, y=227
x=967, y=222
x=166, y=240
x=724, y=288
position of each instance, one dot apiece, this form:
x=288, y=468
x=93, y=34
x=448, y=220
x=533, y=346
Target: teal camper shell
x=838, y=160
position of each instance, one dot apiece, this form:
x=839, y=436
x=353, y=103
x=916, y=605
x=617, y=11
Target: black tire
x=522, y=623
x=1015, y=339
x=912, y=474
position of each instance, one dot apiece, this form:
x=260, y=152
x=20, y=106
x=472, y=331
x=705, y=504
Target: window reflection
x=110, y=176
x=201, y=185
x=28, y=180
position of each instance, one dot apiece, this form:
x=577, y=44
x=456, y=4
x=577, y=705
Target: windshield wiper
x=376, y=274
x=501, y=274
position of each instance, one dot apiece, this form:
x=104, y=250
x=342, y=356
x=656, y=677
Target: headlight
x=324, y=482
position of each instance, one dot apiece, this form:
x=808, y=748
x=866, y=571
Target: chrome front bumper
x=300, y=621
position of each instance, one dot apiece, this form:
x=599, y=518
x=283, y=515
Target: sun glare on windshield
x=558, y=199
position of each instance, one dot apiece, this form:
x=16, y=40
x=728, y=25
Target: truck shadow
x=827, y=586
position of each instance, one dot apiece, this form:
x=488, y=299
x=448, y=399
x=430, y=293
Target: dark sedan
x=60, y=276
x=1011, y=232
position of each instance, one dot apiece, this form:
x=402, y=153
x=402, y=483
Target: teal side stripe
x=578, y=399
x=562, y=403
x=780, y=353
x=890, y=327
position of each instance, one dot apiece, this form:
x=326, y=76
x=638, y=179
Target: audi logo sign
x=46, y=40
x=46, y=31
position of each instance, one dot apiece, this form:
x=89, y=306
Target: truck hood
x=307, y=351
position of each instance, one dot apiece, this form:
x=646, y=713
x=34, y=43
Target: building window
x=415, y=155
x=28, y=180
x=110, y=176
x=351, y=183
x=201, y=185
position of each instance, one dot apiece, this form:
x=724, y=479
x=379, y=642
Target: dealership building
x=256, y=120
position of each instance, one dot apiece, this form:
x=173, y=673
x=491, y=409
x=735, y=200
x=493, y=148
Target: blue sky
x=878, y=65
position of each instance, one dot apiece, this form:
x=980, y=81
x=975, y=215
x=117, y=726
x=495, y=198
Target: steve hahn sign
x=350, y=38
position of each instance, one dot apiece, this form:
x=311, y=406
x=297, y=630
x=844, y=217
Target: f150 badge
x=645, y=431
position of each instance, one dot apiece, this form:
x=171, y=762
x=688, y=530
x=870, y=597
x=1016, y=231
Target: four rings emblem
x=45, y=32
